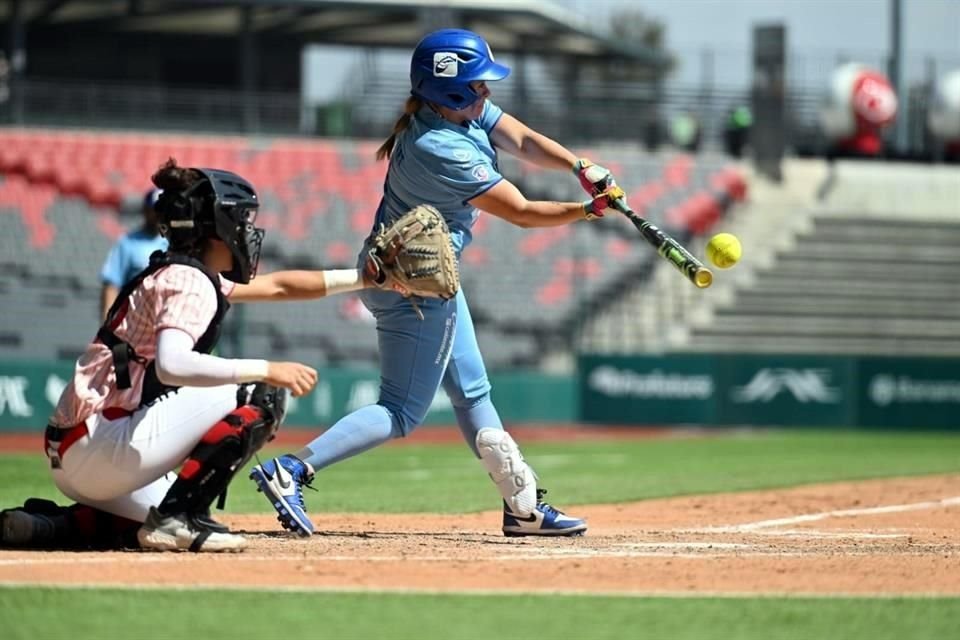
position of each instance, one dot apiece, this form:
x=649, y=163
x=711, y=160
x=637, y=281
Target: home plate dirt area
x=880, y=537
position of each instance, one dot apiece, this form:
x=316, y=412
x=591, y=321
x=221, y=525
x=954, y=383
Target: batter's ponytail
x=412, y=105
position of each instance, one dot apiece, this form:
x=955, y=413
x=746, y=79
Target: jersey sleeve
x=465, y=172
x=490, y=117
x=115, y=266
x=186, y=300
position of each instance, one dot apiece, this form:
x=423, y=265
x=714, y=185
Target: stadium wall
x=770, y=389
x=30, y=389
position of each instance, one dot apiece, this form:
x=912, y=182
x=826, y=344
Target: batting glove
x=593, y=178
x=593, y=209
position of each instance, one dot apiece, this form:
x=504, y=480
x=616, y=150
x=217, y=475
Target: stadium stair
x=874, y=279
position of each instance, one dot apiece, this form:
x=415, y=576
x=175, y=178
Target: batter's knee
x=403, y=422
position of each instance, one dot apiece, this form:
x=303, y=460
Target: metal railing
x=152, y=107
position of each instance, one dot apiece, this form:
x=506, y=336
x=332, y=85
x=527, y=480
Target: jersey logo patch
x=461, y=154
x=480, y=172
x=445, y=65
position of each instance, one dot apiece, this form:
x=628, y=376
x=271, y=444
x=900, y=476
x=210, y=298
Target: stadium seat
x=61, y=190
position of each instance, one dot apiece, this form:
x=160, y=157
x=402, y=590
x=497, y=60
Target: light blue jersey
x=443, y=164
x=129, y=256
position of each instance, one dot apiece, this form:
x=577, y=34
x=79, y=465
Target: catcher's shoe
x=180, y=532
x=280, y=481
x=544, y=520
x=21, y=529
x=203, y=520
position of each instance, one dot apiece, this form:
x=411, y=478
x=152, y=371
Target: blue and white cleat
x=280, y=480
x=544, y=520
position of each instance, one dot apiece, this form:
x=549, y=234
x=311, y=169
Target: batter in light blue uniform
x=442, y=153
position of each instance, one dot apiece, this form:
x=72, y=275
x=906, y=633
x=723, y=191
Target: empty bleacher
x=868, y=270
x=851, y=285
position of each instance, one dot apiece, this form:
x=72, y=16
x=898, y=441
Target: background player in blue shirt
x=131, y=253
x=443, y=152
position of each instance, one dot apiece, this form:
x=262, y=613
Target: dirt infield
x=879, y=537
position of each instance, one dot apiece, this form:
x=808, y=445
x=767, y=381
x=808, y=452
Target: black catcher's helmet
x=222, y=205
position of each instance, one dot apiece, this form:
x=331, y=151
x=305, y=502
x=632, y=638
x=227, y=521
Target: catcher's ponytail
x=412, y=105
x=172, y=177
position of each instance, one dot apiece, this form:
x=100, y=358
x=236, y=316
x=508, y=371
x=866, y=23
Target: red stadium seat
x=540, y=240
x=32, y=202
x=554, y=292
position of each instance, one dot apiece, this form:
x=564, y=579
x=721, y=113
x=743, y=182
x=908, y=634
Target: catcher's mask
x=222, y=205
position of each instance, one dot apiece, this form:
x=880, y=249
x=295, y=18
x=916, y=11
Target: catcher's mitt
x=414, y=256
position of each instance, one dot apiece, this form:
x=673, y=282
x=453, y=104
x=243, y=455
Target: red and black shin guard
x=223, y=450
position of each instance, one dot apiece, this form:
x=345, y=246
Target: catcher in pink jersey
x=147, y=397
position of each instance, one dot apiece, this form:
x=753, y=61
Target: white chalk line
x=824, y=515
x=829, y=535
x=648, y=593
x=635, y=550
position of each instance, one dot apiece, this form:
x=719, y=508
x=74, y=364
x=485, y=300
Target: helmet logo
x=445, y=64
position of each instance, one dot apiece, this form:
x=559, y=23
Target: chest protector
x=123, y=352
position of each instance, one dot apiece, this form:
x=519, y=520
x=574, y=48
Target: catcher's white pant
x=126, y=466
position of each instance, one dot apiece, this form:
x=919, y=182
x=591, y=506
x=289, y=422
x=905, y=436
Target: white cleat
x=544, y=520
x=179, y=532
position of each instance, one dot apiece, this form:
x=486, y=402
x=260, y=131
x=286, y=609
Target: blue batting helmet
x=444, y=64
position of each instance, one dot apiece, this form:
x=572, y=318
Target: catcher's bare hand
x=298, y=378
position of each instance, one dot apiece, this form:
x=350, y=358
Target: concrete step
x=867, y=287
x=792, y=325
x=801, y=267
x=850, y=252
x=752, y=302
x=862, y=230
x=720, y=342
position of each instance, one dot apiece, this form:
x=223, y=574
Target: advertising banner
x=680, y=389
x=30, y=390
x=786, y=390
x=909, y=392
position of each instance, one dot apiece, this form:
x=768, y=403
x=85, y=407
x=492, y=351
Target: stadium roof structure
x=537, y=27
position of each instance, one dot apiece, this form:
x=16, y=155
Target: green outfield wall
x=29, y=391
x=696, y=389
x=787, y=390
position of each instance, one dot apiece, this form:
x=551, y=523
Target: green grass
x=108, y=613
x=446, y=478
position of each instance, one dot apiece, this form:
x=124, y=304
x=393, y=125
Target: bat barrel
x=668, y=248
x=703, y=278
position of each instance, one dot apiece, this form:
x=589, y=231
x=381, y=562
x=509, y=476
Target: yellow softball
x=724, y=250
